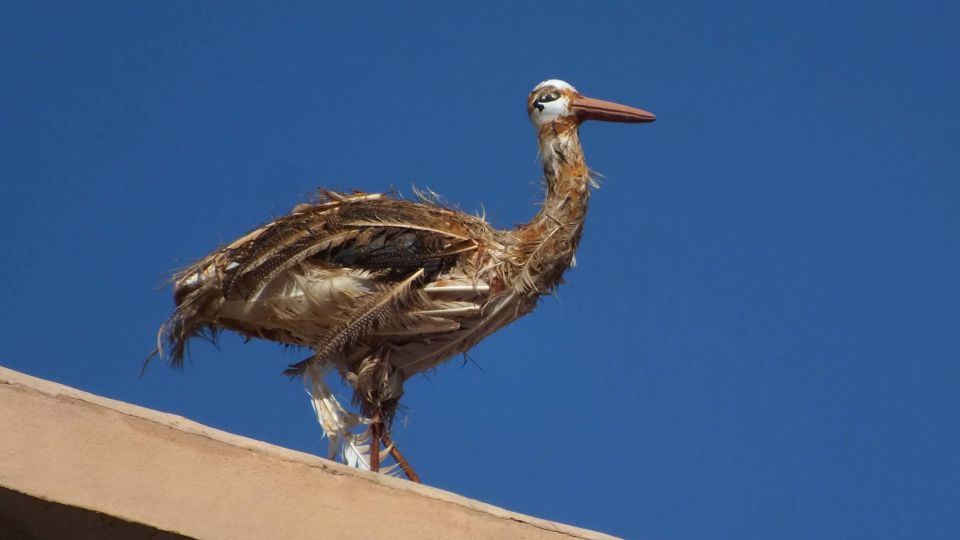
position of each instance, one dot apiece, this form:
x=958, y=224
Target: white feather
x=339, y=425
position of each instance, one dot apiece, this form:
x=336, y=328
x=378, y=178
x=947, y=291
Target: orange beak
x=597, y=109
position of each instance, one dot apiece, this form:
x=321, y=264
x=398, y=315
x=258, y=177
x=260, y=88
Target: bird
x=381, y=288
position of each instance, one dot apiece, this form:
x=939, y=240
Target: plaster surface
x=73, y=460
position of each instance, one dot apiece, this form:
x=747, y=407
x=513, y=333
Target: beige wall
x=72, y=459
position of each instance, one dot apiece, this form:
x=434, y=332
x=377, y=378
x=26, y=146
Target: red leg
x=375, y=427
x=404, y=464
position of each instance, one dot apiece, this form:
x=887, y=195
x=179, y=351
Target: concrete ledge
x=74, y=461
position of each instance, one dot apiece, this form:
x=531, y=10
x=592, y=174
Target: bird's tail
x=195, y=296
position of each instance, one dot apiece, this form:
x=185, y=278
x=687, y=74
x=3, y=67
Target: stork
x=381, y=288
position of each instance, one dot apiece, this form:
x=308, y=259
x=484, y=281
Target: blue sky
x=762, y=336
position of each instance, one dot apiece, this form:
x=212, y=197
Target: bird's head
x=557, y=102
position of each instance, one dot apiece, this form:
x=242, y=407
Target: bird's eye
x=551, y=96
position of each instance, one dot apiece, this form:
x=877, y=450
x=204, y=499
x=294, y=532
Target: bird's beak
x=596, y=109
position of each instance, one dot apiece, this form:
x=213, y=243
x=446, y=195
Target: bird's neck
x=548, y=242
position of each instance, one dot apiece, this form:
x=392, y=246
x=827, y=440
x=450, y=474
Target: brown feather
x=384, y=288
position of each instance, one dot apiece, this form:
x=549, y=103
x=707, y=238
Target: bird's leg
x=378, y=434
x=404, y=464
x=376, y=426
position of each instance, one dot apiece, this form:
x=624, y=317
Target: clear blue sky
x=762, y=337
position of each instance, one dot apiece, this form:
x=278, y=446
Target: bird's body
x=383, y=288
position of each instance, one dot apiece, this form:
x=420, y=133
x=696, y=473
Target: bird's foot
x=404, y=464
x=379, y=434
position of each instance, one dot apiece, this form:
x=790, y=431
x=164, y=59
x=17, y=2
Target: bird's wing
x=355, y=258
x=364, y=231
